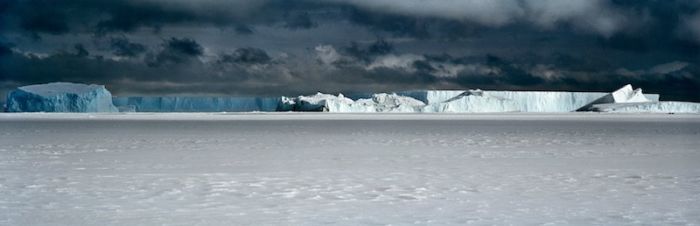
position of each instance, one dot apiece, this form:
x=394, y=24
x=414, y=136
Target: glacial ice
x=197, y=104
x=623, y=95
x=317, y=102
x=69, y=97
x=495, y=101
x=526, y=101
x=381, y=102
x=60, y=97
x=473, y=101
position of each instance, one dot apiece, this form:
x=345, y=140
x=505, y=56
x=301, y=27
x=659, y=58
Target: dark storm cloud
x=247, y=56
x=5, y=48
x=108, y=16
x=80, y=50
x=365, y=53
x=123, y=47
x=275, y=47
x=243, y=29
x=176, y=51
x=300, y=21
x=664, y=29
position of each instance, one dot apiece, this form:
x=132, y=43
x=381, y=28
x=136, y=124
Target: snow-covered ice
x=60, y=97
x=349, y=169
x=469, y=101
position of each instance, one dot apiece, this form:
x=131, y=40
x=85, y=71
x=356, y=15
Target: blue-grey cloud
x=301, y=46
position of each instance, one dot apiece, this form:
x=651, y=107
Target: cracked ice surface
x=369, y=169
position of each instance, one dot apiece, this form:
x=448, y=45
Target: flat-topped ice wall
x=197, y=104
x=527, y=101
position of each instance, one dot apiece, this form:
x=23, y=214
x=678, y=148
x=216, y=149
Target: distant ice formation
x=69, y=97
x=60, y=97
x=196, y=104
x=623, y=95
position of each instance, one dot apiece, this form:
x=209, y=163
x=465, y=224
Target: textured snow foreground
x=347, y=169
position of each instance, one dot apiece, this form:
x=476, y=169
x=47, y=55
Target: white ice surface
x=380, y=102
x=349, y=169
x=526, y=101
x=473, y=101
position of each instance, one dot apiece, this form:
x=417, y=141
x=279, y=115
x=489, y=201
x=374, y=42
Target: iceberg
x=197, y=104
x=320, y=102
x=60, y=97
x=70, y=97
x=623, y=95
x=380, y=102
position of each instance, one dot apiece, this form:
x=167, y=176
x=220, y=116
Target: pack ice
x=60, y=97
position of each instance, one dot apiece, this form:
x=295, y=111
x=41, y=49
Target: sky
x=294, y=47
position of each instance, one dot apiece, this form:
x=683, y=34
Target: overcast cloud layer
x=292, y=47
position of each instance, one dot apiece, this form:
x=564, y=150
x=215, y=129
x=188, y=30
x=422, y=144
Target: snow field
x=345, y=169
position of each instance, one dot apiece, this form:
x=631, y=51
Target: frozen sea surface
x=345, y=169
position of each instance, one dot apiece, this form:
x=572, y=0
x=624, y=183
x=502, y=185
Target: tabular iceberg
x=60, y=97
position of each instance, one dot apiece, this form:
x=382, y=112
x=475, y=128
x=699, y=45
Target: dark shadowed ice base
x=312, y=169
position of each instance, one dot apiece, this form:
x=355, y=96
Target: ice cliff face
x=493, y=101
x=473, y=101
x=69, y=97
x=60, y=97
x=197, y=104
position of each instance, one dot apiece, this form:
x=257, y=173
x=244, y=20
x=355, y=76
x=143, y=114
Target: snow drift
x=60, y=97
